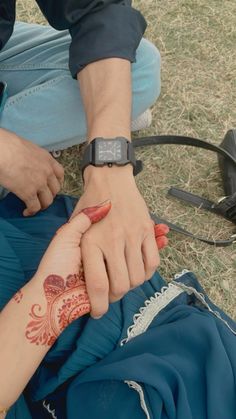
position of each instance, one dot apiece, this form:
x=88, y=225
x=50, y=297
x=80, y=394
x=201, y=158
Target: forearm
x=105, y=87
x=19, y=357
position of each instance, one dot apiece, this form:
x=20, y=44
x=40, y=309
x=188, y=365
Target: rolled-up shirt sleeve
x=99, y=29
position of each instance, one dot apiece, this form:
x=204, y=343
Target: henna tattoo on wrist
x=66, y=301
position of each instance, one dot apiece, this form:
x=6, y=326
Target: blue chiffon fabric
x=183, y=365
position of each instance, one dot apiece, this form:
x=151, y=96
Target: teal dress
x=163, y=352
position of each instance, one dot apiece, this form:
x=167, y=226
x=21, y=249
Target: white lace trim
x=201, y=297
x=143, y=319
x=138, y=388
x=47, y=407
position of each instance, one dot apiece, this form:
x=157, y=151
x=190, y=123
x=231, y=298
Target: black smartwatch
x=109, y=151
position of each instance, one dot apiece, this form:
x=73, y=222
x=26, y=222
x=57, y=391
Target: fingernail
x=162, y=242
x=97, y=212
x=161, y=229
x=96, y=318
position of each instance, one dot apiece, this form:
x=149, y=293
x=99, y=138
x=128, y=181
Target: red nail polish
x=161, y=229
x=96, y=213
x=161, y=242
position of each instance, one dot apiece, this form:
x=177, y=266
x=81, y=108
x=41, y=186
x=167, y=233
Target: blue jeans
x=44, y=104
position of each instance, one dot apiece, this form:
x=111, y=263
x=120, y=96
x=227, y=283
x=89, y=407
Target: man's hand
x=119, y=253
x=29, y=171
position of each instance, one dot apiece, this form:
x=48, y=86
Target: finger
x=87, y=216
x=58, y=170
x=162, y=242
x=118, y=274
x=32, y=206
x=54, y=185
x=96, y=278
x=161, y=229
x=91, y=210
x=97, y=212
x=45, y=197
x=135, y=265
x=150, y=255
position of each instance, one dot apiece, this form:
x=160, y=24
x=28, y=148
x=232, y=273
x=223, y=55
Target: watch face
x=109, y=150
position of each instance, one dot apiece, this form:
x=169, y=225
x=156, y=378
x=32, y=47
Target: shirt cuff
x=114, y=31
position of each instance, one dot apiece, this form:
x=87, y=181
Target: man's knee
x=155, y=73
x=148, y=73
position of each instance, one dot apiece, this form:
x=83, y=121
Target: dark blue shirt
x=99, y=28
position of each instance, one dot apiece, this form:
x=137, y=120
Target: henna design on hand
x=66, y=301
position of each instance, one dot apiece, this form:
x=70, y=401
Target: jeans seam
x=13, y=67
x=18, y=97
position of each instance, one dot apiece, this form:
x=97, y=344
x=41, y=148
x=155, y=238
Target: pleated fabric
x=182, y=366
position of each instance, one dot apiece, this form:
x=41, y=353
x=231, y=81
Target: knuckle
x=42, y=187
x=58, y=187
x=100, y=287
x=148, y=227
x=153, y=264
x=59, y=168
x=51, y=177
x=137, y=280
x=30, y=194
x=132, y=240
x=119, y=290
x=99, y=312
x=116, y=235
x=86, y=240
x=48, y=171
x=56, y=190
x=46, y=204
x=35, y=205
x=41, y=180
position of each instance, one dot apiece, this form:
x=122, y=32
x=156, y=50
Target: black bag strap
x=225, y=208
x=178, y=229
x=181, y=140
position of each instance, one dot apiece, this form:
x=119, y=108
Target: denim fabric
x=99, y=29
x=44, y=104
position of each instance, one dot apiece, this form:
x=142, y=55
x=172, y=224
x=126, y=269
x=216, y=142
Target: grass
x=197, y=41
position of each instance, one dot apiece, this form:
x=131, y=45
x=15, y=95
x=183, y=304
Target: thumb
x=87, y=216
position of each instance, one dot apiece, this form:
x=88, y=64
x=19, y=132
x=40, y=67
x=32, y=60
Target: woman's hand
x=29, y=171
x=37, y=314
x=60, y=274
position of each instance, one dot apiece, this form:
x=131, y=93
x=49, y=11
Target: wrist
x=107, y=174
x=108, y=130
